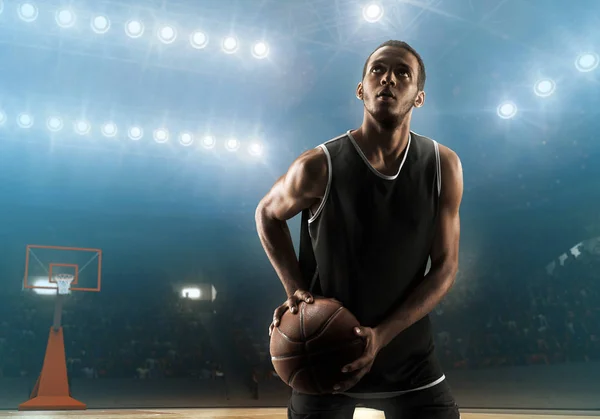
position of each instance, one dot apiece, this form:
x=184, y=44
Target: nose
x=388, y=79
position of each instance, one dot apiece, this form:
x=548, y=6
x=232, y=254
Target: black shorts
x=435, y=402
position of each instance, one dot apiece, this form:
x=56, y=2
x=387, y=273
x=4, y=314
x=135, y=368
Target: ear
x=420, y=99
x=359, y=91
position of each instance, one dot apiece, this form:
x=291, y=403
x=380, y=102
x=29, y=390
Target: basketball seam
x=317, y=333
x=286, y=337
x=302, y=333
x=294, y=374
x=327, y=323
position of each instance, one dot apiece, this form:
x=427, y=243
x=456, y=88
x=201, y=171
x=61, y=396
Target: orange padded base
x=51, y=391
x=52, y=403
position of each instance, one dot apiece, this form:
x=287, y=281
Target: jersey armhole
x=438, y=167
x=326, y=195
x=438, y=175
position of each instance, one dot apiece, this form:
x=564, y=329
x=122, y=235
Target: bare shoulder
x=450, y=160
x=313, y=160
x=308, y=173
x=452, y=176
x=299, y=188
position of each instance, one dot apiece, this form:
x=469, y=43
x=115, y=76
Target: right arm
x=300, y=188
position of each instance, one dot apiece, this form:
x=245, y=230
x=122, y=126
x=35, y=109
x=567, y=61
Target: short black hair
x=401, y=44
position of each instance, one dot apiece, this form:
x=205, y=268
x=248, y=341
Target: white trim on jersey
x=438, y=161
x=389, y=394
x=368, y=163
x=329, y=177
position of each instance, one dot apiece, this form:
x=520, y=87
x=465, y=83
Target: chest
x=367, y=199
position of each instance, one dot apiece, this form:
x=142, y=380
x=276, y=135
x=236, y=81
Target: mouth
x=385, y=95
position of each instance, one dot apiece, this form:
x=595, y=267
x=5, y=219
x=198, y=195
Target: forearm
x=277, y=241
x=424, y=298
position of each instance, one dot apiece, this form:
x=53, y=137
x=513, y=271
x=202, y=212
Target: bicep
x=446, y=242
x=298, y=189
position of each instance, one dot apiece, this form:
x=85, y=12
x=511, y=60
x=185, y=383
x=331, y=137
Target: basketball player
x=380, y=233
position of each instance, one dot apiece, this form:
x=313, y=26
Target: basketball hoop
x=63, y=281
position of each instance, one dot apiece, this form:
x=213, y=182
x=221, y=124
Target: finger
x=351, y=381
x=278, y=313
x=347, y=384
x=291, y=303
x=271, y=326
x=307, y=297
x=304, y=296
x=362, y=331
x=359, y=364
x=344, y=386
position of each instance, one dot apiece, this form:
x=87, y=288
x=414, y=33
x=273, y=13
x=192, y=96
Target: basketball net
x=63, y=282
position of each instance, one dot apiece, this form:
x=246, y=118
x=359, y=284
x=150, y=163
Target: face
x=389, y=89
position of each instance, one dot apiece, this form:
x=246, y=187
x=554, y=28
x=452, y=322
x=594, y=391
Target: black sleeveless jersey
x=368, y=246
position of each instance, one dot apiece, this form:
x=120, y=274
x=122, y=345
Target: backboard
x=43, y=263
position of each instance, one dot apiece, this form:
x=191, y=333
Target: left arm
x=444, y=256
x=435, y=285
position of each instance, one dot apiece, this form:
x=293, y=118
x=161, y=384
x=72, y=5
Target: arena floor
x=262, y=413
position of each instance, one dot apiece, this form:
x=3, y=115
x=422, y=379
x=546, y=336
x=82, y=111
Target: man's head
x=402, y=45
x=392, y=83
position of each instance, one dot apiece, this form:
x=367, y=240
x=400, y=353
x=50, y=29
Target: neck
x=380, y=140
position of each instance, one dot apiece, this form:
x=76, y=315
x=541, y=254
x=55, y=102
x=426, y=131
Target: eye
x=403, y=72
x=376, y=69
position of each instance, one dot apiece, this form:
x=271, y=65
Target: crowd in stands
x=250, y=332
x=107, y=336
x=542, y=319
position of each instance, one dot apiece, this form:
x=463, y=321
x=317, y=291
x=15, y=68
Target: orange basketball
x=310, y=348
